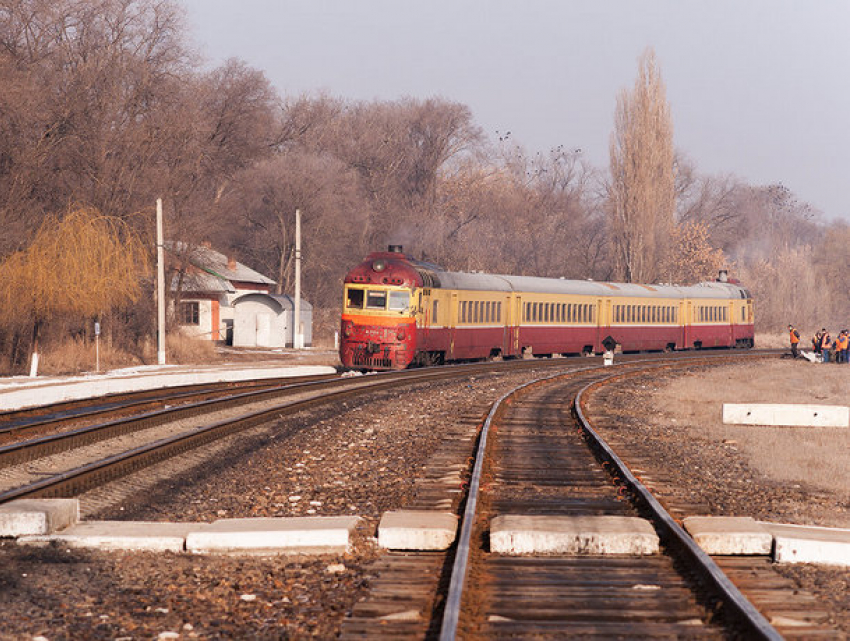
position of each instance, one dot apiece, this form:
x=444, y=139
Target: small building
x=261, y=320
x=220, y=299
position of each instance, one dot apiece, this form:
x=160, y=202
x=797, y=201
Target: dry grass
x=773, y=340
x=816, y=457
x=182, y=350
x=77, y=355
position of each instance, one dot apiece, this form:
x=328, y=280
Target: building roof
x=217, y=272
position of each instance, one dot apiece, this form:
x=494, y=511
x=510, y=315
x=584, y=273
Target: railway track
x=540, y=460
x=71, y=461
x=22, y=423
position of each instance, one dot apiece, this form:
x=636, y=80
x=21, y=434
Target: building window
x=189, y=313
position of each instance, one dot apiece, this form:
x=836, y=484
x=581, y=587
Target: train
x=399, y=312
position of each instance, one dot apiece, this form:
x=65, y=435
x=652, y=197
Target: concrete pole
x=160, y=285
x=297, y=335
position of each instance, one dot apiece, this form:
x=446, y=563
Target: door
x=264, y=330
x=453, y=316
x=516, y=322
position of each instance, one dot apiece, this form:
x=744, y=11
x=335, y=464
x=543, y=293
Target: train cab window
x=376, y=299
x=399, y=301
x=743, y=314
x=354, y=298
x=463, y=311
x=434, y=309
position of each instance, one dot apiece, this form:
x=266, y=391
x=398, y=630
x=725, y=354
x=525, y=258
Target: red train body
x=398, y=312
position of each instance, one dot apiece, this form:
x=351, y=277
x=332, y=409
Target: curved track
x=535, y=458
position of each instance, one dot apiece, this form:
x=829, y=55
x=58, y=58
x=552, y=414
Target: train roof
x=531, y=284
x=395, y=268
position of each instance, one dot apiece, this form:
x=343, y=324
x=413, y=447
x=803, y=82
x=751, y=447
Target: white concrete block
x=590, y=535
x=786, y=415
x=312, y=534
x=810, y=544
x=37, y=516
x=417, y=530
x=120, y=535
x=729, y=534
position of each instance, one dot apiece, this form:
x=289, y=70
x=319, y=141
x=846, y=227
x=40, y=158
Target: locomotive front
x=378, y=330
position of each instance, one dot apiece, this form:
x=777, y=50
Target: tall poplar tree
x=642, y=199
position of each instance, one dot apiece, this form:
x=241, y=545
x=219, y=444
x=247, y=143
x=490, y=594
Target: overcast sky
x=758, y=88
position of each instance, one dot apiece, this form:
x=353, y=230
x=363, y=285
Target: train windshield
x=377, y=299
x=399, y=301
x=354, y=298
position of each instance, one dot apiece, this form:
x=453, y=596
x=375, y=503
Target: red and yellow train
x=399, y=312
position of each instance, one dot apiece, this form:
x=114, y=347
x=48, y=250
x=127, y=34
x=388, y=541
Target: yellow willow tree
x=82, y=264
x=642, y=200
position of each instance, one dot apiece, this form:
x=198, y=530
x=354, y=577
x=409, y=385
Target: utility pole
x=160, y=285
x=297, y=335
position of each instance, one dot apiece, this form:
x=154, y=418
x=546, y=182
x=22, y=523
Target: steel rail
x=451, y=612
x=152, y=395
x=746, y=612
x=23, y=451
x=63, y=412
x=70, y=482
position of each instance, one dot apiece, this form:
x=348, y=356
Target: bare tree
x=642, y=190
x=264, y=202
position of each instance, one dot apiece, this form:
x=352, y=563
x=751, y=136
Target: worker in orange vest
x=842, y=343
x=825, y=346
x=795, y=339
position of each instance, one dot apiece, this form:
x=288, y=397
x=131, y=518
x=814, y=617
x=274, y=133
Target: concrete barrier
x=591, y=535
x=772, y=414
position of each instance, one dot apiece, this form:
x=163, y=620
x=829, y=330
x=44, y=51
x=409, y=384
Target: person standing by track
x=794, y=336
x=816, y=339
x=842, y=343
x=825, y=345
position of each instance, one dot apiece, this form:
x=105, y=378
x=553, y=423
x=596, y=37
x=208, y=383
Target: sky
x=758, y=89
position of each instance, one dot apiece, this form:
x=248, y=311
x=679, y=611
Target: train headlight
x=348, y=330
x=401, y=335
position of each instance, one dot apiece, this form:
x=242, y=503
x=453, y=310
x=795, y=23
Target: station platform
x=23, y=392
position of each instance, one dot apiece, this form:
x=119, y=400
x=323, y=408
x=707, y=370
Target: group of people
x=831, y=350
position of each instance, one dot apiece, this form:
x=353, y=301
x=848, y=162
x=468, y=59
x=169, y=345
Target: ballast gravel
x=360, y=457
x=713, y=477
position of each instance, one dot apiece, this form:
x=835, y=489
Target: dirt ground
x=817, y=457
x=672, y=428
